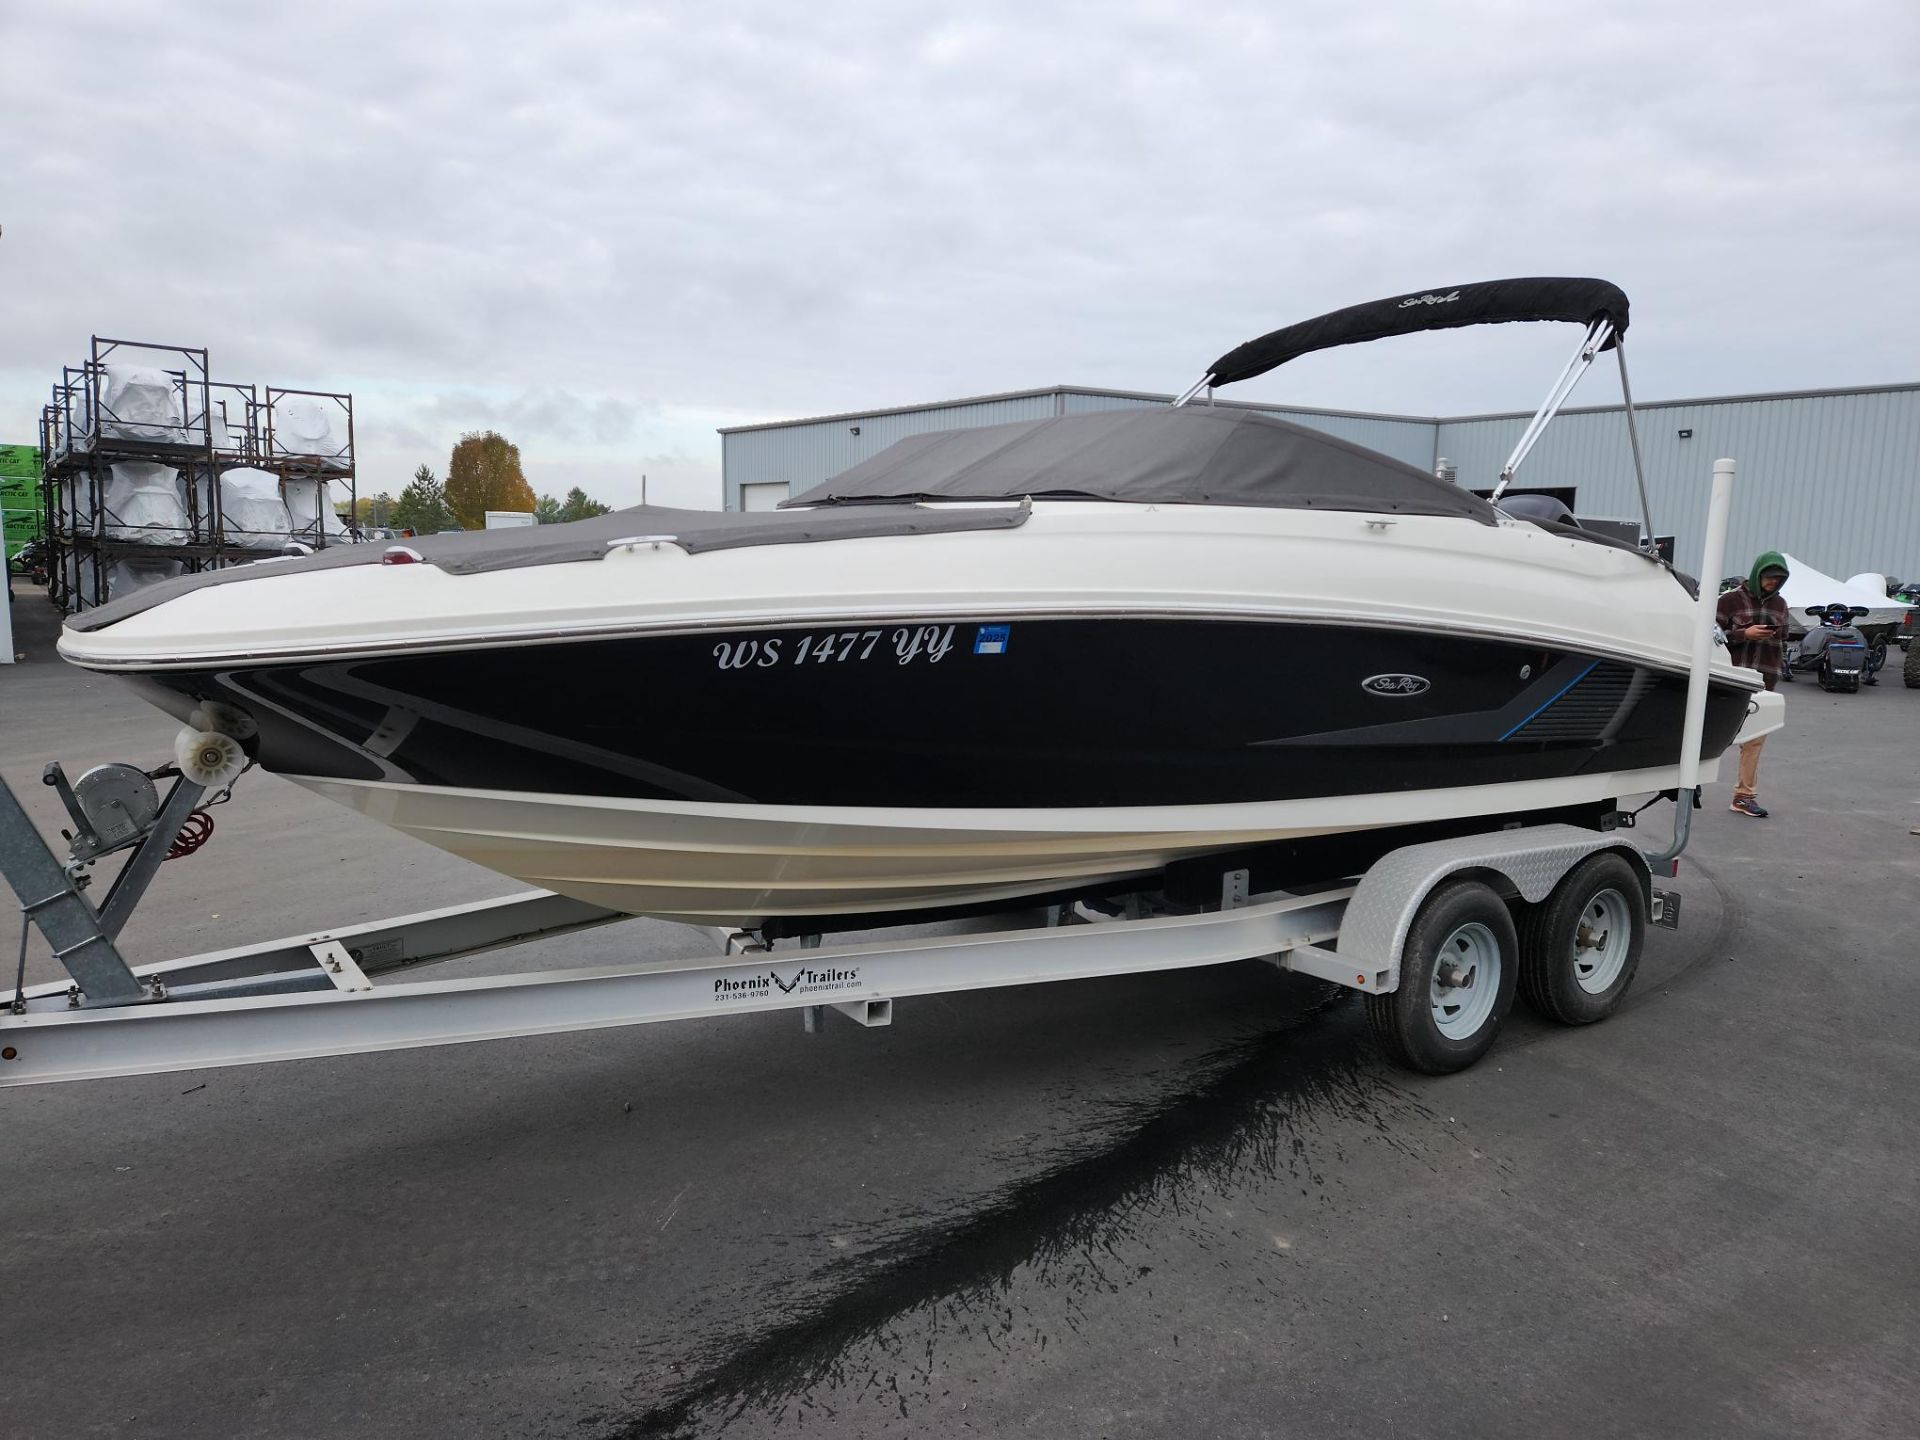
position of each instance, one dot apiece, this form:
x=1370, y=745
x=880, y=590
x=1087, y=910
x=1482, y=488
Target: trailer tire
x=1580, y=946
x=1432, y=1023
x=1910, y=668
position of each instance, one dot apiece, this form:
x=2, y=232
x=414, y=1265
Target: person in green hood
x=1753, y=616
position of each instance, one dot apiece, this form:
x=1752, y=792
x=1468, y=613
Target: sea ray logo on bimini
x=804, y=981
x=1395, y=684
x=1429, y=299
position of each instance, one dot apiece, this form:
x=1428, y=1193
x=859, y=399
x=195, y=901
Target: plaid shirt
x=1739, y=608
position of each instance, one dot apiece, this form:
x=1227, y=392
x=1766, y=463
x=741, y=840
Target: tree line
x=483, y=474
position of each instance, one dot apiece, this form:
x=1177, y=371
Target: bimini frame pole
x=1194, y=389
x=1713, y=556
x=1597, y=336
x=1633, y=436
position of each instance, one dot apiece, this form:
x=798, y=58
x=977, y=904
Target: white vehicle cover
x=81, y=569
x=128, y=575
x=81, y=486
x=72, y=428
x=1871, y=580
x=251, y=509
x=145, y=502
x=1807, y=586
x=310, y=428
x=310, y=503
x=138, y=402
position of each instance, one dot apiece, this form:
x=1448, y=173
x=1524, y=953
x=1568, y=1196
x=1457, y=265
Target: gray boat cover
x=475, y=552
x=1195, y=455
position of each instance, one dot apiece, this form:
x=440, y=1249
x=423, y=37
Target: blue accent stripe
x=1553, y=697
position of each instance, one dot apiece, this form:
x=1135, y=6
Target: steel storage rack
x=153, y=469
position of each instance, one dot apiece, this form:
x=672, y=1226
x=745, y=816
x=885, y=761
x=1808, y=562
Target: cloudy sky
x=607, y=230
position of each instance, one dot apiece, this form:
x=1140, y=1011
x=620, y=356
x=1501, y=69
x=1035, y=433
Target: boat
x=1075, y=656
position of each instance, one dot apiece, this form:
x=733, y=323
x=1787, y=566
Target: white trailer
x=1427, y=935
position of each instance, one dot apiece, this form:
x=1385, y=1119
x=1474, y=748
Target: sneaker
x=1747, y=805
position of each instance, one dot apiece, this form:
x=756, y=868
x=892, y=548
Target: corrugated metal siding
x=1834, y=479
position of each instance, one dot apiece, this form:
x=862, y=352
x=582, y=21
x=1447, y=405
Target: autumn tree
x=484, y=474
x=422, y=507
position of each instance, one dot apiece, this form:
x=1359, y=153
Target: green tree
x=373, y=509
x=422, y=506
x=578, y=507
x=546, y=511
x=484, y=474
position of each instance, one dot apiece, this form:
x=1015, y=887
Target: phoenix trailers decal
x=763, y=984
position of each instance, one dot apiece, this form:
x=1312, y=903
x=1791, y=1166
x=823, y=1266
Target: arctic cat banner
x=21, y=461
x=19, y=495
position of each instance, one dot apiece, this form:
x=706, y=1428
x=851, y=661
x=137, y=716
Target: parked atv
x=1833, y=650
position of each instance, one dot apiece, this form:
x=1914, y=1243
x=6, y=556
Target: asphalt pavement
x=1194, y=1203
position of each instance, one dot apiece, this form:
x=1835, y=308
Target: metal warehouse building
x=1831, y=476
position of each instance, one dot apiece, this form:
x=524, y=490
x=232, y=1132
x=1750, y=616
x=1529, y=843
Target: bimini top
x=1491, y=302
x=1196, y=455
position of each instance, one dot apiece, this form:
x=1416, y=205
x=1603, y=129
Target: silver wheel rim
x=1466, y=981
x=1601, y=940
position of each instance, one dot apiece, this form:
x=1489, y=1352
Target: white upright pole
x=6, y=609
x=1712, y=560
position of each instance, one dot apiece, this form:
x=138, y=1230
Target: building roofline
x=1096, y=391
x=1149, y=395
x=1640, y=405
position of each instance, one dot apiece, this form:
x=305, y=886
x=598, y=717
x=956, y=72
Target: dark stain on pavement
x=1250, y=1111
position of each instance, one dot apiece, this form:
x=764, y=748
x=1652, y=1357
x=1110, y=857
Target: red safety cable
x=195, y=833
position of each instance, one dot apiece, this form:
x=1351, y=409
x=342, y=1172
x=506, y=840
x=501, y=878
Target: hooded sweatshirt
x=1746, y=604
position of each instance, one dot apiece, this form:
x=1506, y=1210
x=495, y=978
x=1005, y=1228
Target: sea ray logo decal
x=1396, y=685
x=1429, y=299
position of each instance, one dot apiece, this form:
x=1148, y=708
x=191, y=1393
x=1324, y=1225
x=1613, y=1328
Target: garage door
x=762, y=497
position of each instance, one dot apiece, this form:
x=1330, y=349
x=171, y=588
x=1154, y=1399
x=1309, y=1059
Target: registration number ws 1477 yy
x=906, y=644
x=902, y=644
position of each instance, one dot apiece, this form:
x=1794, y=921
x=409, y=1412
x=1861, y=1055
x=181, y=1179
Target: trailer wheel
x=1457, y=972
x=1580, y=946
x=1910, y=668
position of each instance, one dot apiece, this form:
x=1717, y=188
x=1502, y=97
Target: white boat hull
x=738, y=865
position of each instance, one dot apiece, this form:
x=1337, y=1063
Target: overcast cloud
x=606, y=230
